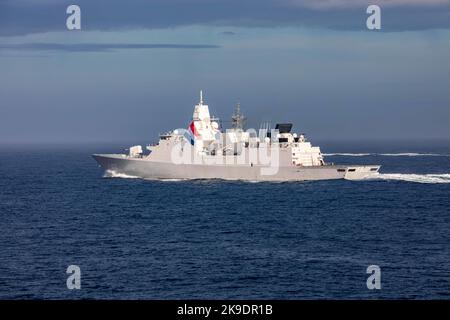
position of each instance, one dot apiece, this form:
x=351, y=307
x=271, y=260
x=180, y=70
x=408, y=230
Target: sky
x=135, y=68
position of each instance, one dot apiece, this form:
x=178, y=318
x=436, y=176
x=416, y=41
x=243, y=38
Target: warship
x=205, y=151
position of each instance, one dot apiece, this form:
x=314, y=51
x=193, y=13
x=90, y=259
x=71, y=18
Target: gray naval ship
x=205, y=151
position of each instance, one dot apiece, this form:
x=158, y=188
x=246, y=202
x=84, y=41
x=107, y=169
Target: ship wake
x=418, y=178
x=402, y=154
x=348, y=154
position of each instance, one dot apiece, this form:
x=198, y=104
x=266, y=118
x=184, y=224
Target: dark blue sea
x=138, y=239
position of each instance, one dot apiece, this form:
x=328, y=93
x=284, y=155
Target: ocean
x=140, y=239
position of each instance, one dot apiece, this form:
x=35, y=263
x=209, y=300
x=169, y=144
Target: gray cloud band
x=99, y=47
x=27, y=16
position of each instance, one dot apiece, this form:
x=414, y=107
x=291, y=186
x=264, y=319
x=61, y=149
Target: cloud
x=327, y=4
x=19, y=17
x=228, y=33
x=99, y=47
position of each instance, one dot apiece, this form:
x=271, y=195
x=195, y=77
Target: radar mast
x=238, y=119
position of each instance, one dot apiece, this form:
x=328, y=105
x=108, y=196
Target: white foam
x=418, y=178
x=115, y=174
x=412, y=154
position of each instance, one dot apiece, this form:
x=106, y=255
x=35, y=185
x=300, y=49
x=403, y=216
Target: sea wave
x=419, y=178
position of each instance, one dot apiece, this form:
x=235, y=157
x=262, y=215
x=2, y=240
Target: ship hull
x=148, y=169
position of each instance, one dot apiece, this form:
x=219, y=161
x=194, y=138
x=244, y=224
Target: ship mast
x=238, y=119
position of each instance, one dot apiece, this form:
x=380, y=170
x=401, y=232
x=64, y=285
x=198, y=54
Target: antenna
x=201, y=97
x=238, y=118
